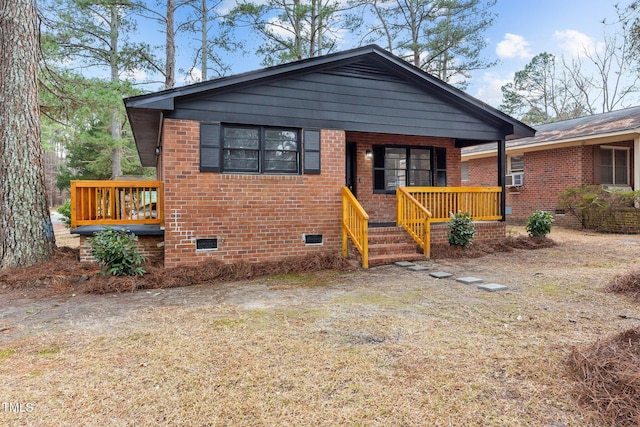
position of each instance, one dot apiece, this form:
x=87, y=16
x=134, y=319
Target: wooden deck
x=117, y=203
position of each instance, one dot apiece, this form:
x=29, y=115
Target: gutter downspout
x=636, y=162
x=502, y=161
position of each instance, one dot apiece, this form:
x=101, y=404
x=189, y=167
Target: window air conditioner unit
x=514, y=180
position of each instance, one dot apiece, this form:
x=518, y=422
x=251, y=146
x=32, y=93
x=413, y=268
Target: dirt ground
x=384, y=346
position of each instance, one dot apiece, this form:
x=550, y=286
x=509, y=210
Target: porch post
x=636, y=163
x=502, y=161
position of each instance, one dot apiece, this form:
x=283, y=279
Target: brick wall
x=254, y=217
x=547, y=173
x=620, y=220
x=382, y=207
x=149, y=246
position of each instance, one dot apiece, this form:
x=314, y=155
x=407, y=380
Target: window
x=615, y=165
x=516, y=164
x=406, y=166
x=464, y=171
x=256, y=149
x=260, y=150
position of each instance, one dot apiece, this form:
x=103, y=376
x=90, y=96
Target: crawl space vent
x=207, y=244
x=313, y=239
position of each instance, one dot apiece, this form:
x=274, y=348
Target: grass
x=265, y=367
x=377, y=348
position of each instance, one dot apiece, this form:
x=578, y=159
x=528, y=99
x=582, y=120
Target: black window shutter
x=209, y=147
x=597, y=165
x=441, y=167
x=311, y=143
x=378, y=168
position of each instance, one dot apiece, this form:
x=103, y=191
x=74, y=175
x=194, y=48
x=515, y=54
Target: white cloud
x=489, y=90
x=513, y=46
x=193, y=76
x=574, y=43
x=136, y=75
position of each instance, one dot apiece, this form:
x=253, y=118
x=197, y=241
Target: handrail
x=355, y=224
x=414, y=218
x=483, y=203
x=116, y=202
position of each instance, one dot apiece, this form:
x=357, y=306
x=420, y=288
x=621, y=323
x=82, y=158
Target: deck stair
x=390, y=244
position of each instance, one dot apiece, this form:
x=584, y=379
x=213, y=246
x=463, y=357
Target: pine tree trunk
x=26, y=232
x=170, y=65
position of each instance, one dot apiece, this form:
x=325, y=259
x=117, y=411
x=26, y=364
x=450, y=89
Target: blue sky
x=523, y=29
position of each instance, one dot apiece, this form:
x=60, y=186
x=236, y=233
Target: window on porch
x=395, y=167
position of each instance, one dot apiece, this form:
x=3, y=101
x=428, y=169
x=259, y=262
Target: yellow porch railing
x=116, y=203
x=414, y=218
x=483, y=203
x=355, y=224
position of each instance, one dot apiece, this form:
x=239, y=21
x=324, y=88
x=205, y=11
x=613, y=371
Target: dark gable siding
x=355, y=97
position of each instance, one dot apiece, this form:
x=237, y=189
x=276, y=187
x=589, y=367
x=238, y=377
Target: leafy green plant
x=117, y=254
x=65, y=211
x=539, y=224
x=461, y=229
x=587, y=202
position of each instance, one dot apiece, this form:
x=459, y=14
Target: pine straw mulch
x=61, y=273
x=626, y=284
x=608, y=377
x=480, y=249
x=64, y=273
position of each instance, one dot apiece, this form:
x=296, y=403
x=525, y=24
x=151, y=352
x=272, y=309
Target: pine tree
x=26, y=232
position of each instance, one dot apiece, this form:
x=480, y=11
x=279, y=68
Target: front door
x=350, y=169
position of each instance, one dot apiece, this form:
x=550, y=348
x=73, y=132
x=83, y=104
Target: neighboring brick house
x=598, y=149
x=254, y=165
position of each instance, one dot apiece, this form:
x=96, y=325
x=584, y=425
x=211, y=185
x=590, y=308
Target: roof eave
x=560, y=143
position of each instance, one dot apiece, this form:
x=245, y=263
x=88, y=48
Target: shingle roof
x=587, y=127
x=146, y=111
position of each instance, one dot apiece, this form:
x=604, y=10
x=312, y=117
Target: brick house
x=602, y=149
x=319, y=155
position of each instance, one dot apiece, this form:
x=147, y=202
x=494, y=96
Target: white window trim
x=509, y=170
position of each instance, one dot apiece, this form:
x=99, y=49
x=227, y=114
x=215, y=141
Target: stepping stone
x=469, y=280
x=492, y=287
x=404, y=264
x=418, y=268
x=440, y=274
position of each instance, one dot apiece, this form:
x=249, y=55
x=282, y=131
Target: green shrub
x=539, y=224
x=117, y=254
x=65, y=211
x=461, y=229
x=589, y=200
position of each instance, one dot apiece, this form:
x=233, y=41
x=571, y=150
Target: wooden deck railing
x=355, y=224
x=414, y=218
x=116, y=203
x=483, y=203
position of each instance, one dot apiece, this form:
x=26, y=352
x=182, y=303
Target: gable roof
x=616, y=125
x=146, y=112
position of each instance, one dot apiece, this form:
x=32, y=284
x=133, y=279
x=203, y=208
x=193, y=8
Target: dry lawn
x=381, y=347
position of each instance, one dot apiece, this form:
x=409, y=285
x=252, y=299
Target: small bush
x=116, y=253
x=539, y=224
x=461, y=229
x=588, y=202
x=65, y=211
